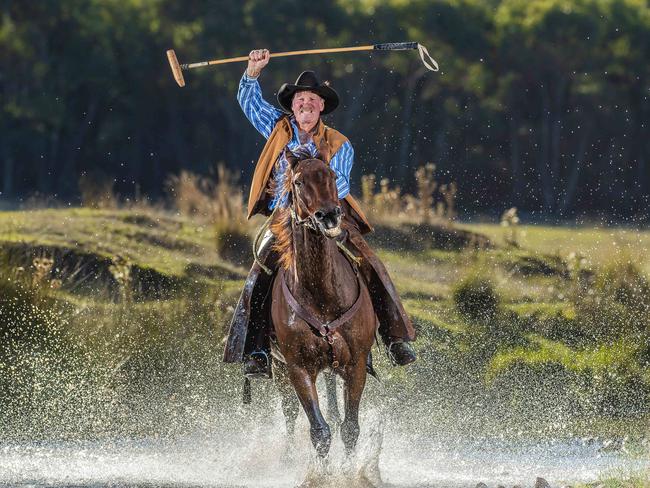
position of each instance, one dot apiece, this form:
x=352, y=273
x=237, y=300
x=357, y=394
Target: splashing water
x=240, y=452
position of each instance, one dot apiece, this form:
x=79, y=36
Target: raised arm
x=259, y=112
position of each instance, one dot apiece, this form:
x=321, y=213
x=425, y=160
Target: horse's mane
x=281, y=223
x=281, y=228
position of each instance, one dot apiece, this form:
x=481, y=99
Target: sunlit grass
x=596, y=244
x=154, y=239
x=543, y=352
x=547, y=315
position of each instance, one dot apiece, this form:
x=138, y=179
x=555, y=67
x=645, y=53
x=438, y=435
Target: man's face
x=306, y=107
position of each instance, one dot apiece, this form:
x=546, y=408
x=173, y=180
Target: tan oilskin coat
x=258, y=200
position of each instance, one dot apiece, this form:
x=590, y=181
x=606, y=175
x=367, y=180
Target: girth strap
x=324, y=329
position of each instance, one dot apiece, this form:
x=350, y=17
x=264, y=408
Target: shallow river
x=255, y=455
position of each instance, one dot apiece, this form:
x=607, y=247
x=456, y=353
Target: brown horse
x=321, y=309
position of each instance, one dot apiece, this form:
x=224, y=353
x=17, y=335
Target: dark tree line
x=541, y=104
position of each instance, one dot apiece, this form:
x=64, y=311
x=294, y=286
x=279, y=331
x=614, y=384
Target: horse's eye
x=298, y=183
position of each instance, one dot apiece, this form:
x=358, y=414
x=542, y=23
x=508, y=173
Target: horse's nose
x=329, y=218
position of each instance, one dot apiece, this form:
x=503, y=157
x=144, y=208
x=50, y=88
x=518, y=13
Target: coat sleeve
x=258, y=111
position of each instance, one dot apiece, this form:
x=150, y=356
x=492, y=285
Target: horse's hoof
x=321, y=438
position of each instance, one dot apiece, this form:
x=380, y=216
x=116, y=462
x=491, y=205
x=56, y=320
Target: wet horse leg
x=333, y=414
x=305, y=385
x=288, y=396
x=355, y=381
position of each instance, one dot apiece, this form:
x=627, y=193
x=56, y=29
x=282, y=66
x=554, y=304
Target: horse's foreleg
x=288, y=396
x=333, y=414
x=355, y=381
x=305, y=385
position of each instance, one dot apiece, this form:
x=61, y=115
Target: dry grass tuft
x=214, y=199
x=97, y=191
x=433, y=203
x=218, y=201
x=121, y=271
x=510, y=220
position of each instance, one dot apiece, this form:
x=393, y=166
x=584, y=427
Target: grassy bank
x=109, y=312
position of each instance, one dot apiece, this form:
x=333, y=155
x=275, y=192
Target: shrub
x=624, y=283
x=476, y=299
x=433, y=203
x=233, y=242
x=213, y=198
x=615, y=302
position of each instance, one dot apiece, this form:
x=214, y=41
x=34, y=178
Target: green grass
x=622, y=482
x=543, y=352
x=596, y=244
x=150, y=239
x=544, y=310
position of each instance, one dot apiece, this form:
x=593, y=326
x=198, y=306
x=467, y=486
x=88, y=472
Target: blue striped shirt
x=264, y=116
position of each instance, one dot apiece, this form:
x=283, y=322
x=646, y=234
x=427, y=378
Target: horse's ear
x=291, y=158
x=323, y=151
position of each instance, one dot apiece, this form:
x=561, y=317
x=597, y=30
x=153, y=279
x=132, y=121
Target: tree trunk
x=574, y=175
x=556, y=130
x=515, y=157
x=406, y=135
x=70, y=156
x=548, y=195
x=7, y=173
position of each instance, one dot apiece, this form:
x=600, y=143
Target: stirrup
x=262, y=371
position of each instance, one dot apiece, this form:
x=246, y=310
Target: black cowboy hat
x=308, y=81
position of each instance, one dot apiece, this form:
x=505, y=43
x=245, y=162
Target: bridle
x=311, y=222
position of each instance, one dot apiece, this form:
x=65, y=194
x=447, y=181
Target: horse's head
x=315, y=198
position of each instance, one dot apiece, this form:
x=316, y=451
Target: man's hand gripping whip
x=429, y=62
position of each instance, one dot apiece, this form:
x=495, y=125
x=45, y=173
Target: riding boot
x=395, y=327
x=249, y=335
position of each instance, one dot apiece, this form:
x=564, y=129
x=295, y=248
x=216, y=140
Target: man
x=299, y=127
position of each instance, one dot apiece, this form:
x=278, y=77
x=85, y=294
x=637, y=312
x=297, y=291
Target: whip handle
x=395, y=46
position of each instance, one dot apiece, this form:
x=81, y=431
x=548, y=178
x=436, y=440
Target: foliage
x=599, y=346
x=537, y=104
x=614, y=302
x=96, y=191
